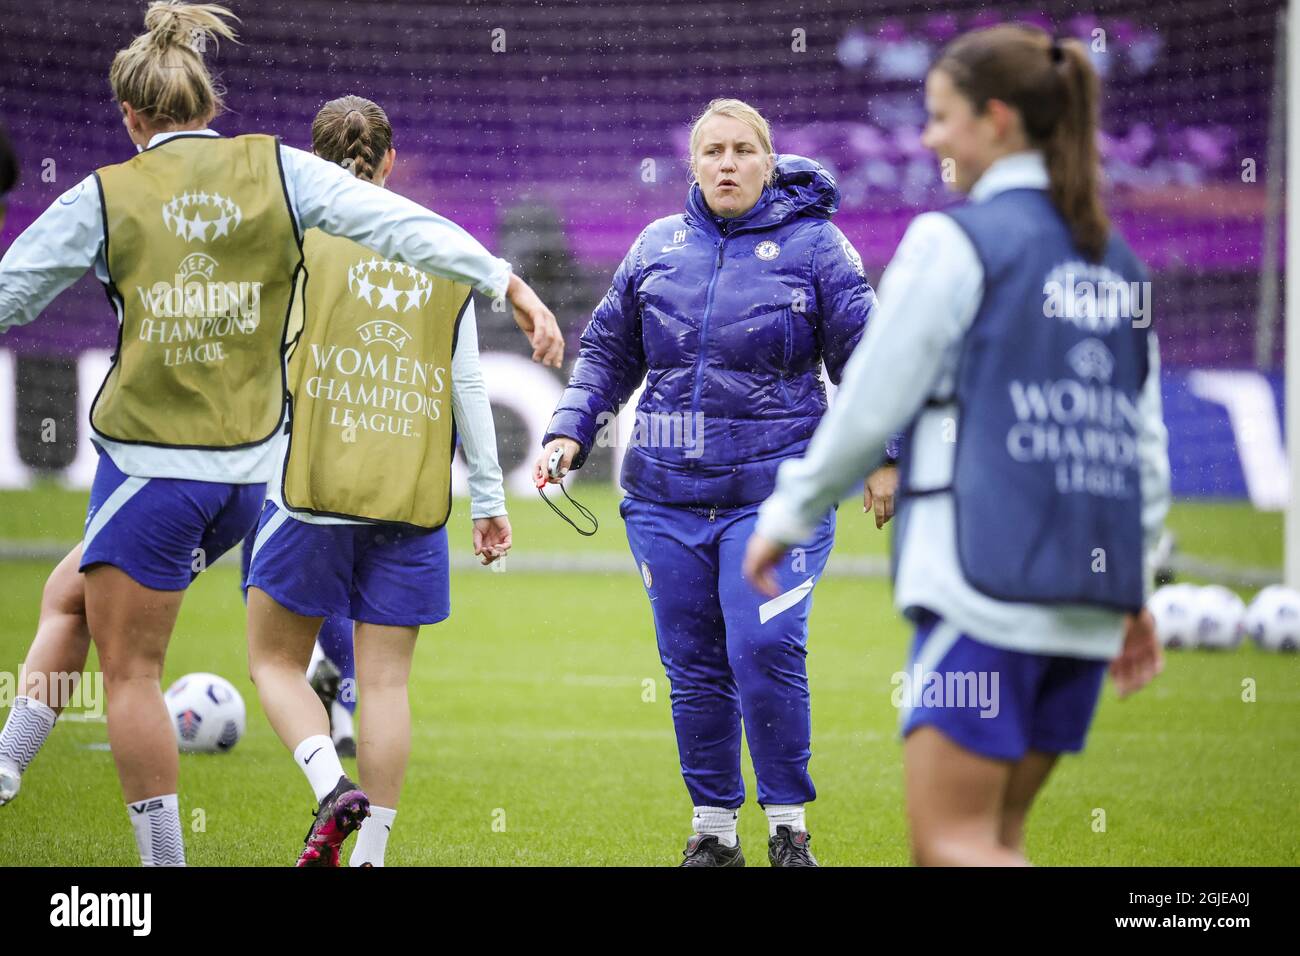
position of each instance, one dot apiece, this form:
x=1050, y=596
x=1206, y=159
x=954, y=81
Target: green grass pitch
x=534, y=741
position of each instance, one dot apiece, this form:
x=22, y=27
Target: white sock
x=718, y=821
x=317, y=655
x=788, y=816
x=320, y=762
x=340, y=722
x=372, y=838
x=29, y=723
x=157, y=825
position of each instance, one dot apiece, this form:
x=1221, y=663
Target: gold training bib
x=371, y=433
x=202, y=255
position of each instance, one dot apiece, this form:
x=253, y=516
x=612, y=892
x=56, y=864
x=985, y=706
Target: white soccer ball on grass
x=207, y=713
x=1273, y=619
x=1219, y=612
x=1174, y=609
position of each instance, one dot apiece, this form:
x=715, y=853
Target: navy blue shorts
x=365, y=572
x=993, y=701
x=164, y=531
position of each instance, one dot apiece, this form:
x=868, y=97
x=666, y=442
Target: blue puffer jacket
x=728, y=320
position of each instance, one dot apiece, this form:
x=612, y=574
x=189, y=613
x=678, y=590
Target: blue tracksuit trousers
x=729, y=653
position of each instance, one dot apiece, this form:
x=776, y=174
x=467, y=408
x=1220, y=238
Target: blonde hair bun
x=162, y=73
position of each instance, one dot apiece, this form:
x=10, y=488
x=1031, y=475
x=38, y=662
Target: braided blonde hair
x=353, y=132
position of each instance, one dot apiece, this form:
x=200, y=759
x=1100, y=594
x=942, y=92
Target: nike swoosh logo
x=671, y=248
x=313, y=753
x=388, y=828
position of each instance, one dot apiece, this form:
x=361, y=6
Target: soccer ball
x=1273, y=619
x=1174, y=608
x=207, y=712
x=1219, y=612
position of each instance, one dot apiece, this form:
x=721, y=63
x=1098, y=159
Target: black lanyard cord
x=595, y=525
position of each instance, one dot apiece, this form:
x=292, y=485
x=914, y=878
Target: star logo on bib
x=201, y=216
x=403, y=288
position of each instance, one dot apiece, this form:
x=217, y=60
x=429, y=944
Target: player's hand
x=1141, y=658
x=761, y=556
x=878, y=493
x=492, y=538
x=571, y=448
x=537, y=322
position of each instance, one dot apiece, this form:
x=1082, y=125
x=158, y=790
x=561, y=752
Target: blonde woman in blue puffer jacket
x=727, y=311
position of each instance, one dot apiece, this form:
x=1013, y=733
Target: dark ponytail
x=353, y=132
x=1053, y=86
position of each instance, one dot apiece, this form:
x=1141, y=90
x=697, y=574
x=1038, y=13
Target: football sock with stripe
x=29, y=723
x=157, y=825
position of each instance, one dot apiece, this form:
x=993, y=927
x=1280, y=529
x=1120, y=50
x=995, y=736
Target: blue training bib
x=1045, y=485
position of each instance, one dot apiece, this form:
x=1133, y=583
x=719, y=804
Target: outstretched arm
x=327, y=197
x=51, y=254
